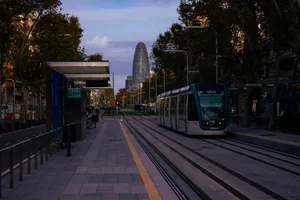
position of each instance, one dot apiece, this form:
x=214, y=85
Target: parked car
x=138, y=107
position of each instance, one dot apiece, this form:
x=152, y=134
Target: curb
x=272, y=143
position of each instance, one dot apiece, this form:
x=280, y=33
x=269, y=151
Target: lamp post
x=187, y=61
x=216, y=44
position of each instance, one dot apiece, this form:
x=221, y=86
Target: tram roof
x=176, y=91
x=185, y=89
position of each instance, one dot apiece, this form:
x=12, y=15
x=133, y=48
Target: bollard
x=69, y=142
x=21, y=164
x=1, y=175
x=35, y=154
x=29, y=158
x=11, y=169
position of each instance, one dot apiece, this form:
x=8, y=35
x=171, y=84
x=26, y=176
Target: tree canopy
x=39, y=32
x=251, y=34
x=95, y=57
x=257, y=40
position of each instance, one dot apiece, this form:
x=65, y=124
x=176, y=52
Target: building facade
x=140, y=67
x=128, y=82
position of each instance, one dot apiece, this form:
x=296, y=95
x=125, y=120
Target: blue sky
x=114, y=27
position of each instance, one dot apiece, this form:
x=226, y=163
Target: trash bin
x=66, y=134
x=95, y=118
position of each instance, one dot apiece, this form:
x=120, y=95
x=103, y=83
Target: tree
x=15, y=11
x=56, y=36
x=108, y=93
x=95, y=57
x=121, y=95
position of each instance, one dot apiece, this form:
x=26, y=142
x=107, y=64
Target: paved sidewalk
x=49, y=181
x=107, y=171
x=107, y=165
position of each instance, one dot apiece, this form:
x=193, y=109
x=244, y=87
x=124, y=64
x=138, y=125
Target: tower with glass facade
x=140, y=67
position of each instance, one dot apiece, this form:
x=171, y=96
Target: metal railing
x=23, y=152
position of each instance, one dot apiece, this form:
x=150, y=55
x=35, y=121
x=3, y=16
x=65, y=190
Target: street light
x=187, y=61
x=217, y=50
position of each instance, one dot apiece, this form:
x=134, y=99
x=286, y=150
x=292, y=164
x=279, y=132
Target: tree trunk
x=248, y=106
x=260, y=102
x=275, y=93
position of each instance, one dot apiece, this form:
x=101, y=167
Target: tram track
x=233, y=173
x=174, y=186
x=267, y=149
x=295, y=162
x=292, y=160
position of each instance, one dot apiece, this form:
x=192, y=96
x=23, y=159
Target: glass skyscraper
x=140, y=67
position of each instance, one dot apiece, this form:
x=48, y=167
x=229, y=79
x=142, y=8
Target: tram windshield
x=212, y=107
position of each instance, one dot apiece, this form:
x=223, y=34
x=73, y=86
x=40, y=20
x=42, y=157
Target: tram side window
x=182, y=105
x=192, y=109
x=167, y=103
x=173, y=106
x=161, y=108
x=157, y=106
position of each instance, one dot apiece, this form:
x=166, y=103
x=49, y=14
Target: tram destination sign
x=210, y=92
x=74, y=93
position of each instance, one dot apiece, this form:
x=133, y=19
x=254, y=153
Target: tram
x=197, y=109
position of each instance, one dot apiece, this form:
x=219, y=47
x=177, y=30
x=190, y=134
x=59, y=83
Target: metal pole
x=149, y=90
x=141, y=93
x=217, y=65
x=164, y=80
x=155, y=85
x=1, y=67
x=187, y=68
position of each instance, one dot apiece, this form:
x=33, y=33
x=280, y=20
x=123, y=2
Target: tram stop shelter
x=66, y=103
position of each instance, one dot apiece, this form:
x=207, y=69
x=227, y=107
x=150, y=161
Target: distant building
x=128, y=82
x=140, y=67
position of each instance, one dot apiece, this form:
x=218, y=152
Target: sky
x=114, y=27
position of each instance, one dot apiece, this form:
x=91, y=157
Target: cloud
x=114, y=50
x=141, y=13
x=98, y=41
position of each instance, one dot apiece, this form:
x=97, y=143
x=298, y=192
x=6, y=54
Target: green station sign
x=74, y=93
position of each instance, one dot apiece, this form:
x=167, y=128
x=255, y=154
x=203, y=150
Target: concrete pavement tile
x=143, y=197
x=53, y=196
x=89, y=189
x=94, y=170
x=107, y=169
x=121, y=188
x=81, y=170
x=137, y=179
x=132, y=170
x=110, y=178
x=110, y=197
x=79, y=179
x=137, y=189
x=125, y=178
x=96, y=179
x=128, y=197
x=70, y=197
x=72, y=189
x=91, y=197
x=119, y=170
x=105, y=189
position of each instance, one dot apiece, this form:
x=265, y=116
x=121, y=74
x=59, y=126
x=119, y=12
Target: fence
x=12, y=157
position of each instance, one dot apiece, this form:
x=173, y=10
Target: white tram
x=197, y=109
